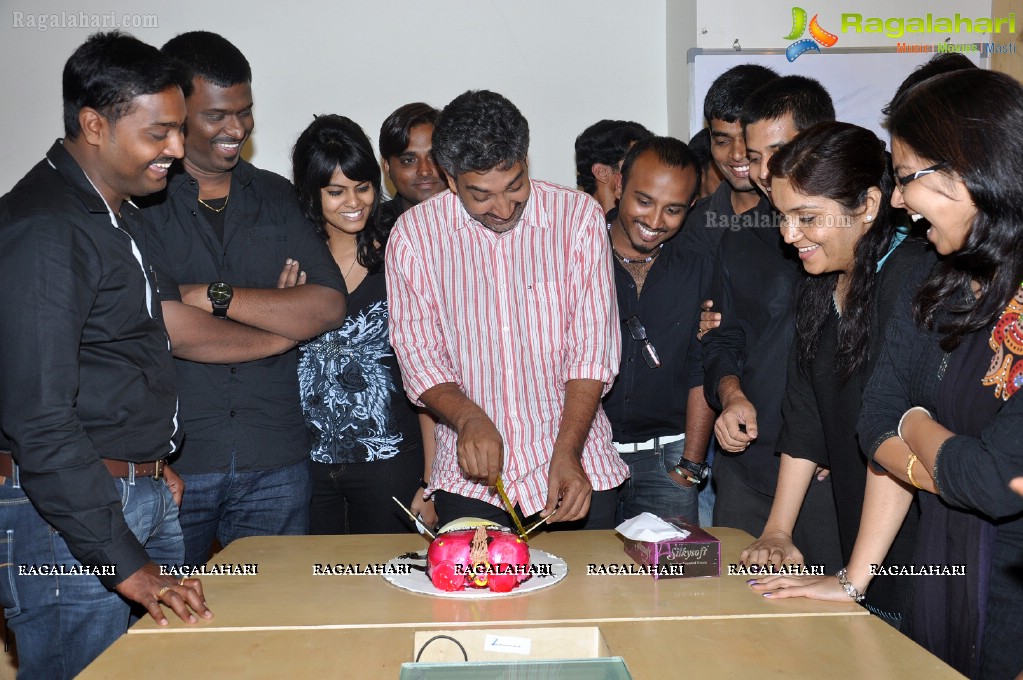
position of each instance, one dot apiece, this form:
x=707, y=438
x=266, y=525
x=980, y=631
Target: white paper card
x=507, y=644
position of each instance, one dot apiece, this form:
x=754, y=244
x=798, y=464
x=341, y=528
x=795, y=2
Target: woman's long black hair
x=841, y=162
x=973, y=121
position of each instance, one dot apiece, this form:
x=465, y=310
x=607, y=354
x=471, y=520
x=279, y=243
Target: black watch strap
x=699, y=470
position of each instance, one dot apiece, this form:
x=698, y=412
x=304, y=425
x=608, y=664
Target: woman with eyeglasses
x=942, y=413
x=367, y=441
x=832, y=186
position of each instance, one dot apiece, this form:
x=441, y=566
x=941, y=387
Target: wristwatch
x=697, y=470
x=220, y=294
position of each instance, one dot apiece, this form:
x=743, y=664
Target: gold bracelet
x=909, y=470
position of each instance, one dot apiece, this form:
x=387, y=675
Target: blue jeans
x=62, y=623
x=650, y=489
x=232, y=505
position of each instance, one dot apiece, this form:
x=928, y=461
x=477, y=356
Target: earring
x=868, y=218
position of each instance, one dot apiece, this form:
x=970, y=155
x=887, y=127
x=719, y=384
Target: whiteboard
x=860, y=80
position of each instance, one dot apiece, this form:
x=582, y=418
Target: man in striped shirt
x=505, y=324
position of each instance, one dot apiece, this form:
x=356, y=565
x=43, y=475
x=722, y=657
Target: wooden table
x=286, y=622
x=837, y=647
x=286, y=595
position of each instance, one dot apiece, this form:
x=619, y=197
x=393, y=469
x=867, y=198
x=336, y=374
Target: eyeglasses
x=639, y=335
x=906, y=179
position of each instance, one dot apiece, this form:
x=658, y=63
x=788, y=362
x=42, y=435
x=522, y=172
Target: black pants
x=601, y=516
x=355, y=498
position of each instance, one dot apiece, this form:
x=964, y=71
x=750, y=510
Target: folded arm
x=299, y=313
x=199, y=336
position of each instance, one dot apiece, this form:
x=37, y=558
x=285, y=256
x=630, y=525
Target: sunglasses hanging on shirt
x=648, y=351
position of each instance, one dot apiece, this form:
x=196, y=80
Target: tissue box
x=699, y=553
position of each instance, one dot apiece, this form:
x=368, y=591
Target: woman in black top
x=367, y=443
x=942, y=411
x=832, y=185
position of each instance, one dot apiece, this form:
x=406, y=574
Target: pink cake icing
x=484, y=556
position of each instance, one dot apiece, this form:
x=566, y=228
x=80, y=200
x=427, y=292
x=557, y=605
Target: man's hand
x=738, y=416
x=174, y=483
x=292, y=275
x=480, y=449
x=708, y=320
x=568, y=488
x=149, y=588
x=424, y=509
x=773, y=547
x=736, y=427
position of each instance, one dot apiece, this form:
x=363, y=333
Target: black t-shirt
x=251, y=408
x=820, y=411
x=352, y=393
x=753, y=288
x=213, y=211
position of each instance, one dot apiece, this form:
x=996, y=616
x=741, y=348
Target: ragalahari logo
x=817, y=35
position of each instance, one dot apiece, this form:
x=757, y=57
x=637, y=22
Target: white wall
x=681, y=23
x=564, y=63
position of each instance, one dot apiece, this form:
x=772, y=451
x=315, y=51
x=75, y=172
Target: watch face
x=220, y=293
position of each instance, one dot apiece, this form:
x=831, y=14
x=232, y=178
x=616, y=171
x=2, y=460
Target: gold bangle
x=909, y=470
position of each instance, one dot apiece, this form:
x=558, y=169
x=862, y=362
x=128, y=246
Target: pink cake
x=480, y=555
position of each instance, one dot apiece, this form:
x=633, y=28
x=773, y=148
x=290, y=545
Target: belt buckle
x=158, y=468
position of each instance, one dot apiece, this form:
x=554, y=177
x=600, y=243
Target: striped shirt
x=509, y=318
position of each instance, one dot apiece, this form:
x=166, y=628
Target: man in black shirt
x=736, y=202
x=225, y=229
x=745, y=359
x=659, y=417
x=406, y=147
x=88, y=401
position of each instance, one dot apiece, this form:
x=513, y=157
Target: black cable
x=441, y=637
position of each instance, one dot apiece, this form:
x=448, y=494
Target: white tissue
x=649, y=527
